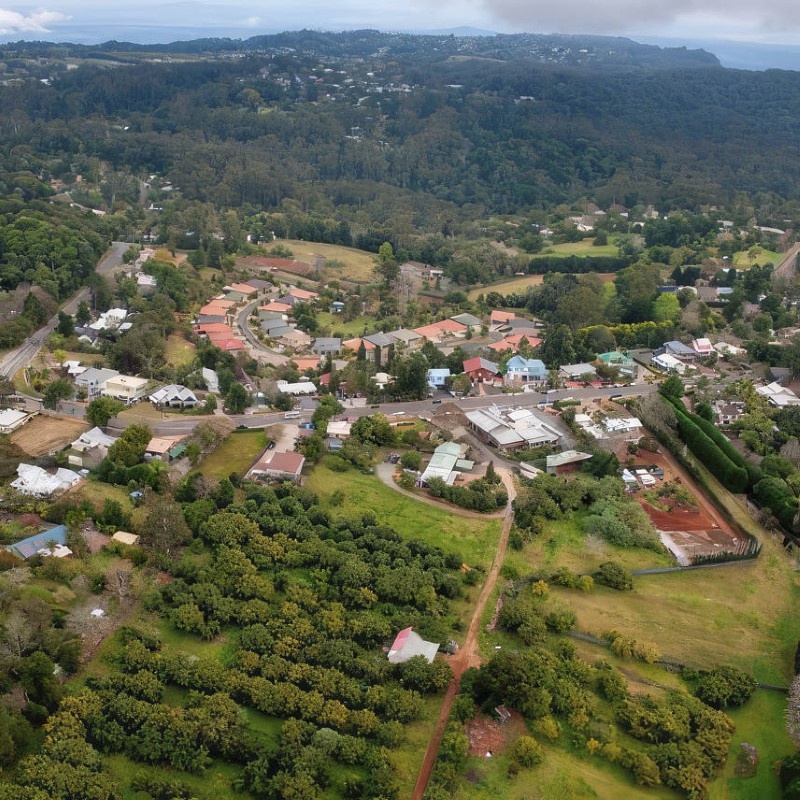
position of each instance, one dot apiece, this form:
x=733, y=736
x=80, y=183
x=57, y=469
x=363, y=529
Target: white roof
x=623, y=424
x=92, y=438
x=778, y=395
x=10, y=416
x=37, y=482
x=408, y=644
x=173, y=391
x=306, y=387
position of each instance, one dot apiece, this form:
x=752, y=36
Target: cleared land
x=333, y=323
x=474, y=539
x=756, y=255
x=45, y=434
x=585, y=247
x=179, y=351
x=235, y=454
x=522, y=283
x=357, y=265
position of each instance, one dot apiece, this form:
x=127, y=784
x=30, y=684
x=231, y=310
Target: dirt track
x=468, y=655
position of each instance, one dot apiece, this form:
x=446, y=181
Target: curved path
x=469, y=655
x=385, y=472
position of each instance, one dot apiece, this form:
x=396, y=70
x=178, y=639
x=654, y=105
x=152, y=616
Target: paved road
x=258, y=349
x=422, y=408
x=21, y=356
x=787, y=269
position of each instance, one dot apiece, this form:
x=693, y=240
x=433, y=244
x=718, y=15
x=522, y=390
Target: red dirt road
x=468, y=655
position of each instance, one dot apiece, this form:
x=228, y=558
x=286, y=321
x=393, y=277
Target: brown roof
x=288, y=462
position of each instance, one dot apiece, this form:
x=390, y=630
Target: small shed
x=126, y=538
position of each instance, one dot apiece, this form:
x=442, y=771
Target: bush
x=725, y=687
x=615, y=576
x=527, y=752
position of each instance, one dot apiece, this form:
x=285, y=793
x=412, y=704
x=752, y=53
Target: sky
x=767, y=21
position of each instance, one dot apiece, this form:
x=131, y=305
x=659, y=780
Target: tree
x=82, y=315
x=102, y=409
x=164, y=527
x=129, y=449
x=725, y=687
x=672, y=387
x=386, y=265
x=65, y=326
x=237, y=399
x=527, y=752
x=60, y=389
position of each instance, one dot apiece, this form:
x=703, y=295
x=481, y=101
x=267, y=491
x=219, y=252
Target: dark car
x=436, y=400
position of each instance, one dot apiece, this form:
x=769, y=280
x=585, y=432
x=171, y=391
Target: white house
x=438, y=378
x=174, y=396
x=11, y=419
x=778, y=395
x=126, y=388
x=669, y=363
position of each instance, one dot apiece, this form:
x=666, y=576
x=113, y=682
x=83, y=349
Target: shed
x=408, y=644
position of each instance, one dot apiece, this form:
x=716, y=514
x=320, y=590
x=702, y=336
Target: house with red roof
x=481, y=370
x=439, y=331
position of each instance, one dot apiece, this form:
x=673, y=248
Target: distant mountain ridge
x=604, y=51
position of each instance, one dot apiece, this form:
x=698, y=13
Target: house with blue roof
x=438, y=378
x=52, y=542
x=525, y=370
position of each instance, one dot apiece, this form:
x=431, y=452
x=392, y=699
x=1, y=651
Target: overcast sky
x=773, y=21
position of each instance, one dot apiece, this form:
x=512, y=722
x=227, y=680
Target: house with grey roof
x=405, y=338
x=470, y=320
x=94, y=380
x=327, y=346
x=577, y=372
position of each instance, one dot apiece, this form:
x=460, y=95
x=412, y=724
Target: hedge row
x=731, y=475
x=541, y=265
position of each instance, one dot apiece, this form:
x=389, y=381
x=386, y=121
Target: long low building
x=511, y=429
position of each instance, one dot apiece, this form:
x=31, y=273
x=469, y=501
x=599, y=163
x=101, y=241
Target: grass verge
x=235, y=454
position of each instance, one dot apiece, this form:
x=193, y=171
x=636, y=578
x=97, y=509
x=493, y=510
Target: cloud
x=653, y=16
x=37, y=22
x=253, y=22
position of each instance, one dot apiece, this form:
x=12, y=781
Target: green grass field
x=235, y=454
x=474, y=540
x=585, y=247
x=332, y=323
x=760, y=255
x=522, y=283
x=358, y=265
x=179, y=351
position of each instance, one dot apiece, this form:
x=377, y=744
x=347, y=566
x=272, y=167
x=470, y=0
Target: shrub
x=615, y=576
x=527, y=752
x=725, y=687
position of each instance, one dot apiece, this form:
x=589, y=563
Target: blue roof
x=33, y=544
x=530, y=364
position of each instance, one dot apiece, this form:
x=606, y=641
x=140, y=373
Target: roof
x=470, y=320
x=567, y=457
x=242, y=288
x=125, y=537
x=160, y=445
x=442, y=328
x=93, y=438
x=476, y=363
x=257, y=283
x=328, y=343
x=95, y=375
x=39, y=541
x=172, y=392
x=501, y=316
x=355, y=344
x=302, y=294
x=408, y=644
x=522, y=364
x=10, y=416
x=37, y=482
x=679, y=348
x=380, y=339
x=303, y=387
x=288, y=462
x=578, y=369
x=128, y=380
x=404, y=335
x=276, y=306
x=614, y=357
x=439, y=372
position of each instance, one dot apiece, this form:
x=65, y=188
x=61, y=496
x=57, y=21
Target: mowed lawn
x=522, y=283
x=235, y=454
x=357, y=265
x=585, y=247
x=179, y=351
x=333, y=323
x=474, y=539
x=741, y=614
x=760, y=255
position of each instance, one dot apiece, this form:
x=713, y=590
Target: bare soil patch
x=487, y=735
x=44, y=434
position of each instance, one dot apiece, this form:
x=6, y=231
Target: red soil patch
x=492, y=736
x=677, y=519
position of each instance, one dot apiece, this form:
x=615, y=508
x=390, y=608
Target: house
x=525, y=370
x=778, y=395
x=404, y=338
x=174, y=396
x=228, y=344
x=285, y=466
x=304, y=364
x=678, y=350
x=728, y=413
x=438, y=378
x=162, y=448
x=52, y=542
x=145, y=283
x=408, y=644
x=446, y=463
x=109, y=320
x=275, y=328
x=303, y=387
x=276, y=307
x=356, y=344
x=11, y=419
x=126, y=388
x=239, y=292
x=295, y=338
x=89, y=449
x=303, y=295
x=518, y=325
x=669, y=363
x=212, y=328
x=258, y=284
x=470, y=321
x=339, y=429
x=128, y=539
x=498, y=317
x=703, y=347
x=511, y=430
x=727, y=350
x=37, y=482
x=629, y=425
x=327, y=346
x=577, y=372
x=73, y=368
x=514, y=342
x=94, y=380
x=620, y=361
x=218, y=306
x=384, y=346
x=481, y=370
x=440, y=331
x=566, y=462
